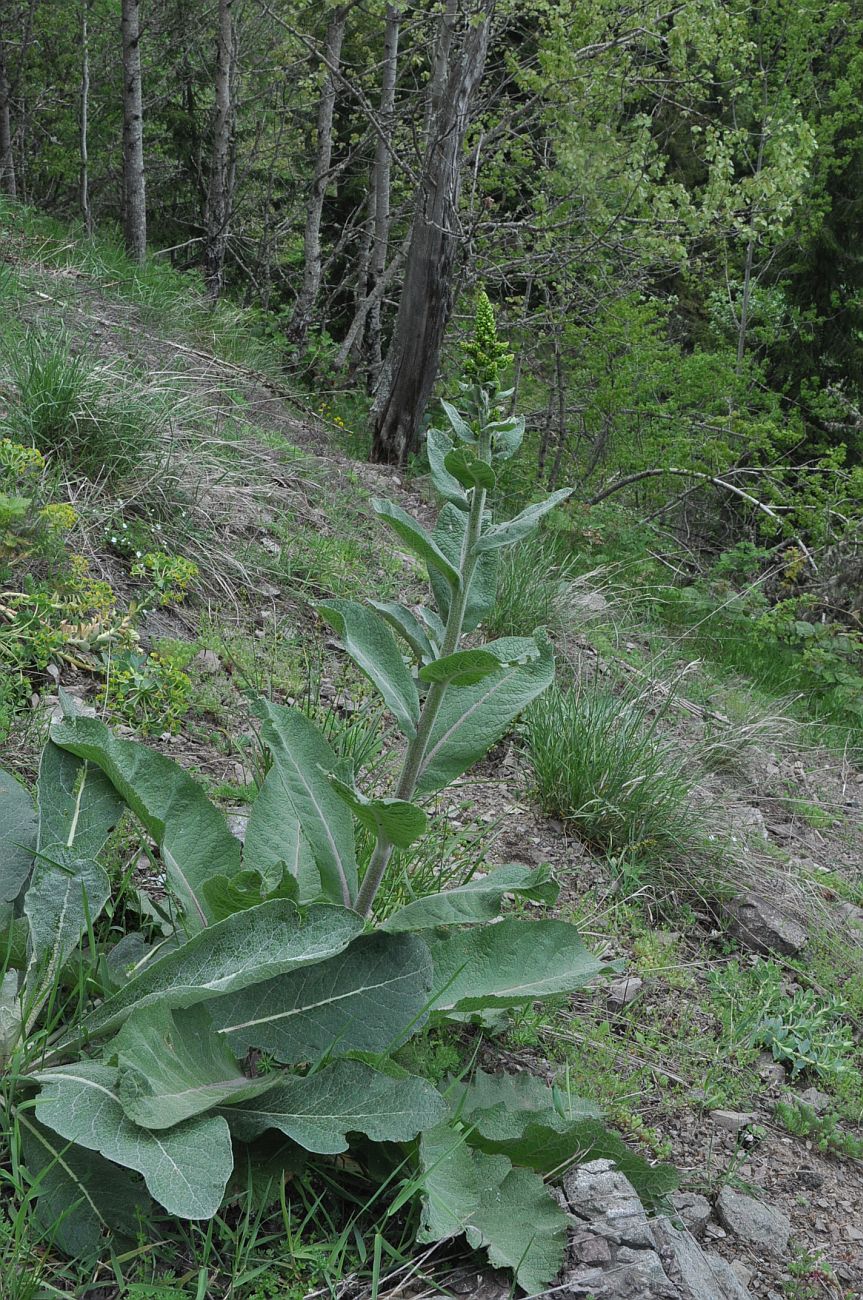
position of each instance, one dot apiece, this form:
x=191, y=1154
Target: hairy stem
x=412, y=767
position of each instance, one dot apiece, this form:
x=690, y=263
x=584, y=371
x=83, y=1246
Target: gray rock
x=692, y=1209
x=635, y=1275
x=731, y=1120
x=754, y=1222
x=605, y=1198
x=622, y=992
x=734, y=1277
x=694, y=1272
x=819, y=1101
x=207, y=662
x=761, y=927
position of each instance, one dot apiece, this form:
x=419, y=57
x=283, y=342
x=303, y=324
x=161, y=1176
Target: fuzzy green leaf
x=302, y=758
x=510, y=1212
x=319, y=1110
x=421, y=543
x=510, y=963
x=438, y=447
x=449, y=535
x=460, y=426
x=185, y=1168
x=467, y=667
x=513, y=530
x=79, y=1194
x=11, y=1020
x=244, y=949
x=397, y=820
x=173, y=1065
x=193, y=838
x=274, y=839
x=78, y=805
x=64, y=896
x=372, y=646
x=408, y=626
x=17, y=836
x=472, y=719
x=369, y=998
x=467, y=468
x=506, y=436
x=479, y=900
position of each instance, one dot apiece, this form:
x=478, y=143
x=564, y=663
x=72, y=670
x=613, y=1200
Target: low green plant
x=599, y=762
x=824, y=1131
x=148, y=691
x=261, y=1029
x=167, y=577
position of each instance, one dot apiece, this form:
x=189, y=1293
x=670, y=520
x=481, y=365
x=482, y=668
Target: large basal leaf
x=438, y=446
x=173, y=1065
x=471, y=719
x=185, y=1168
x=244, y=949
x=303, y=760
x=510, y=1212
x=396, y=820
x=419, y=541
x=274, y=837
x=509, y=963
x=519, y=1116
x=368, y=999
x=449, y=536
x=78, y=805
x=514, y=530
x=17, y=836
x=193, y=837
x=467, y=667
x=408, y=626
x=479, y=900
x=11, y=1019
x=80, y=1196
x=372, y=646
x=319, y=1110
x=65, y=896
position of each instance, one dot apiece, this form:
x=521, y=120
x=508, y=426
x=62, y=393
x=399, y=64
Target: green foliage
x=531, y=588
x=824, y=1131
x=599, y=762
x=271, y=1003
x=805, y=1031
x=148, y=691
x=168, y=577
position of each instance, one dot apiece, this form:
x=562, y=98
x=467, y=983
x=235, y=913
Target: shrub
x=599, y=763
x=131, y=1062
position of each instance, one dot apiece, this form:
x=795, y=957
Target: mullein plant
x=128, y=1076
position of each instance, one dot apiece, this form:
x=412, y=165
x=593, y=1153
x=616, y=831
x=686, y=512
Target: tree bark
x=426, y=299
x=84, y=179
x=7, y=161
x=219, y=199
x=308, y=295
x=381, y=189
x=134, y=185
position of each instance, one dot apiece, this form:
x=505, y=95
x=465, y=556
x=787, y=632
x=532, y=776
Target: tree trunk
x=308, y=295
x=134, y=191
x=7, y=162
x=426, y=299
x=84, y=180
x=381, y=188
x=219, y=199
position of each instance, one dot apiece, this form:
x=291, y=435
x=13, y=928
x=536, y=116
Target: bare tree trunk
x=7, y=161
x=134, y=187
x=84, y=180
x=307, y=297
x=426, y=299
x=381, y=187
x=219, y=199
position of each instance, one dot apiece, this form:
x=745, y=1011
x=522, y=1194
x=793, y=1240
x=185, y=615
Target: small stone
x=732, y=1121
x=714, y=1233
x=622, y=992
x=207, y=662
x=692, y=1209
x=810, y=1178
x=741, y=1271
x=819, y=1101
x=853, y=1234
x=240, y=774
x=753, y=1221
x=763, y=928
